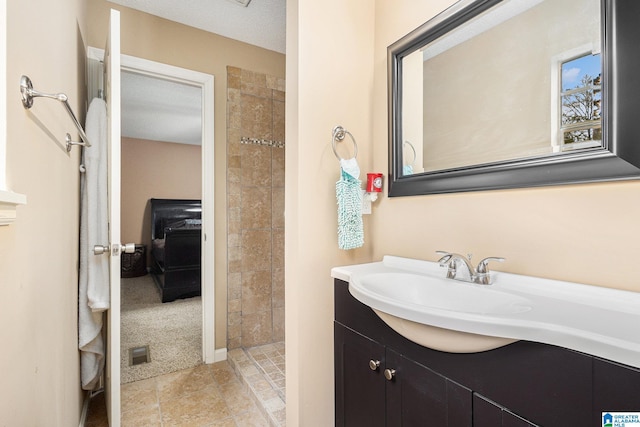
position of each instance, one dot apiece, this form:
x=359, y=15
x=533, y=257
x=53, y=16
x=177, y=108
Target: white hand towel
x=351, y=167
x=93, y=297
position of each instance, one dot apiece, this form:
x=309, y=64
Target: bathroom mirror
x=496, y=94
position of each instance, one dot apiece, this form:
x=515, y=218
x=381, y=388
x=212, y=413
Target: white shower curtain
x=93, y=293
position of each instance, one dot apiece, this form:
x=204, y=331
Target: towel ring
x=338, y=134
x=414, y=153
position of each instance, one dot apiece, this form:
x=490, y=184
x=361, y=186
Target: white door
x=112, y=90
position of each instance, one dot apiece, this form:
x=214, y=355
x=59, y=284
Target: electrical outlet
x=366, y=204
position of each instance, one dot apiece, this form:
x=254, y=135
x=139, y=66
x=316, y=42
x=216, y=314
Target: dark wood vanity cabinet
x=489, y=414
x=616, y=388
x=376, y=386
x=523, y=384
x=360, y=391
x=417, y=396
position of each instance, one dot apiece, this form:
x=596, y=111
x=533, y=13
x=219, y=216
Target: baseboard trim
x=220, y=354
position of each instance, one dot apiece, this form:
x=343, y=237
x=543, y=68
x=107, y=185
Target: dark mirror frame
x=618, y=159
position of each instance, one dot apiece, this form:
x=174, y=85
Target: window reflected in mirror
x=581, y=103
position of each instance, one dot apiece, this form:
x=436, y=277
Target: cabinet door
x=360, y=390
x=417, y=396
x=488, y=414
x=616, y=389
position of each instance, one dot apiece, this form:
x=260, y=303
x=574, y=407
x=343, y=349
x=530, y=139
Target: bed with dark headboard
x=176, y=229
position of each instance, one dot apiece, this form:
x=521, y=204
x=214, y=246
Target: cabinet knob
x=389, y=374
x=374, y=364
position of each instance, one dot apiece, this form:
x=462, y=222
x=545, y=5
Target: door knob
x=128, y=248
x=101, y=249
x=389, y=374
x=116, y=249
x=374, y=364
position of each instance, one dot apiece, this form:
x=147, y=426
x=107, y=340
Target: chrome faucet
x=479, y=275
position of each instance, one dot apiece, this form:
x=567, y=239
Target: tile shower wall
x=255, y=204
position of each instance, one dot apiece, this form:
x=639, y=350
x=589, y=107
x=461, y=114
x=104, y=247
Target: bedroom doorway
x=174, y=334
x=139, y=70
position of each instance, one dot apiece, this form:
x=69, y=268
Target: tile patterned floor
x=262, y=370
x=204, y=396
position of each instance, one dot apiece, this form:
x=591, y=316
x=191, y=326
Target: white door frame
x=206, y=83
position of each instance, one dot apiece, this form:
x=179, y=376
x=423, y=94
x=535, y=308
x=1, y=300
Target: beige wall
x=39, y=360
x=157, y=39
x=154, y=169
x=329, y=83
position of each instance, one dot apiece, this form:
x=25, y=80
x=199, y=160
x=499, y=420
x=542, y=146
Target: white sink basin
x=417, y=292
x=414, y=298
x=421, y=290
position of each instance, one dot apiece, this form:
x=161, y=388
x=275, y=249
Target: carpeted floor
x=173, y=330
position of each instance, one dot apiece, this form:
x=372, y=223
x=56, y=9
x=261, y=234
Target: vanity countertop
x=595, y=320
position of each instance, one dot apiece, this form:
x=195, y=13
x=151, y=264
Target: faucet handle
x=446, y=257
x=483, y=265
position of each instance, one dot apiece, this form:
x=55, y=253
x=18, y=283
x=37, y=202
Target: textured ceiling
x=160, y=110
x=261, y=23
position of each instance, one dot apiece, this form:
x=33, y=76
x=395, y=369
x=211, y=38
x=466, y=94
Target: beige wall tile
x=233, y=188
x=234, y=174
x=257, y=90
x=256, y=291
x=257, y=116
x=234, y=343
x=234, y=115
x=257, y=328
x=256, y=165
x=256, y=250
x=235, y=279
x=234, y=162
x=234, y=201
x=233, y=240
x=278, y=248
x=277, y=166
x=234, y=77
x=235, y=292
x=277, y=207
x=277, y=287
x=278, y=324
x=256, y=207
x=279, y=95
x=235, y=253
x=233, y=142
x=235, y=305
x=248, y=77
x=234, y=226
x=278, y=120
x=235, y=332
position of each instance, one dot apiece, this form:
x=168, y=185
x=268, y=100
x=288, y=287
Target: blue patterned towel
x=349, y=197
